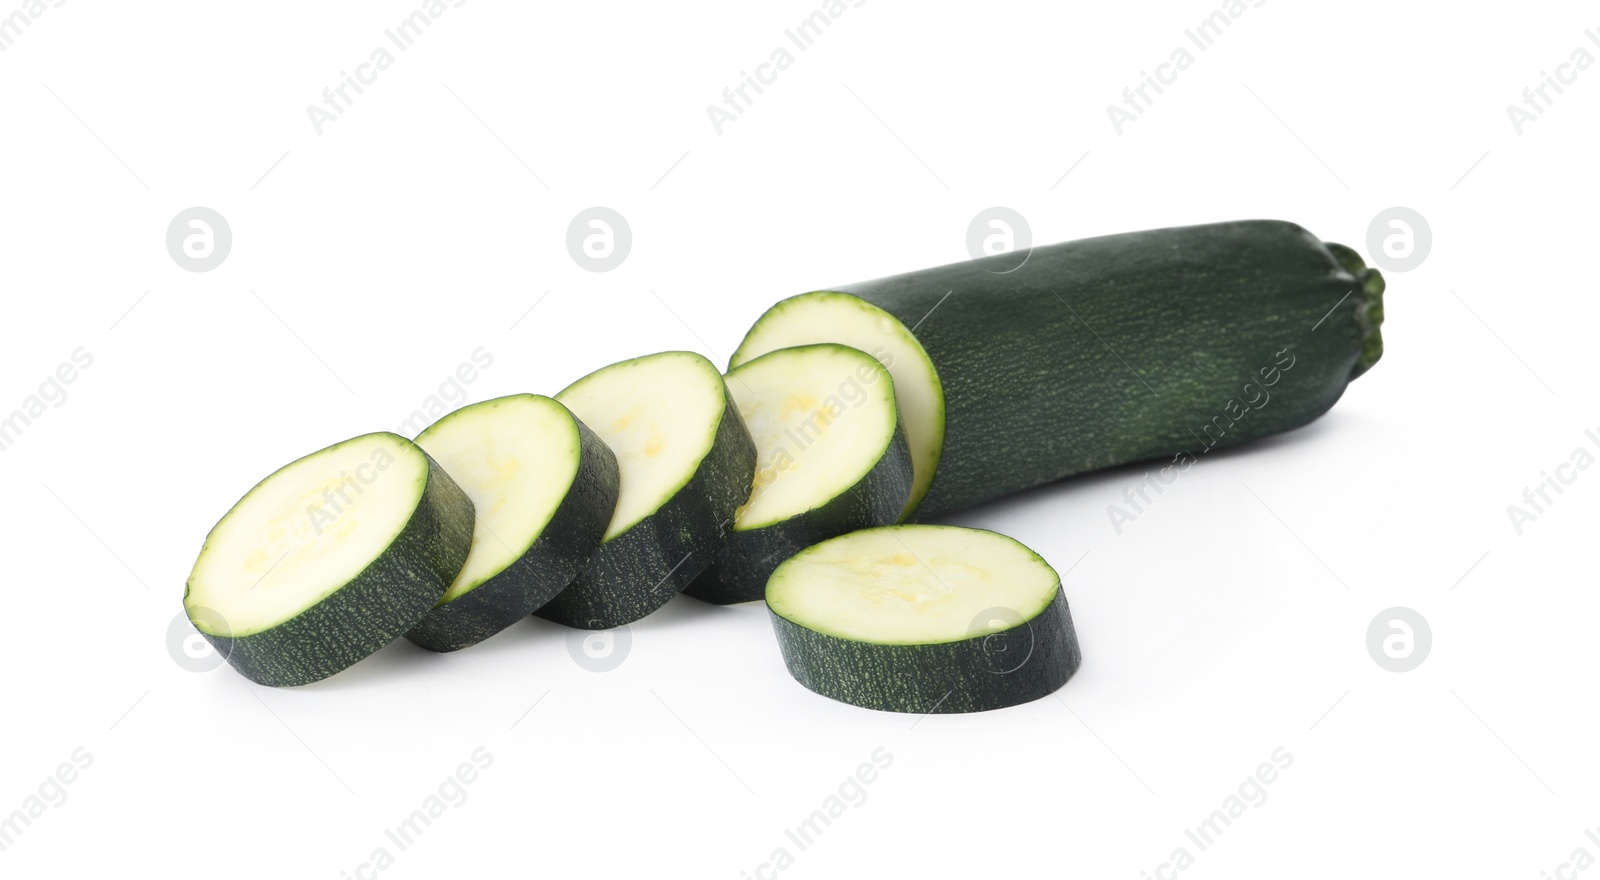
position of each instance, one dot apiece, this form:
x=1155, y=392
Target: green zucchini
x=328, y=559
x=544, y=487
x=925, y=619
x=687, y=462
x=831, y=458
x=1101, y=352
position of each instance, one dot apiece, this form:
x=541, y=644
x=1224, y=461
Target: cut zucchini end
x=822, y=416
x=831, y=458
x=830, y=316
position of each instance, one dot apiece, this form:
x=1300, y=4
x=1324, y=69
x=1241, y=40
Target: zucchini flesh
x=328, y=559
x=686, y=461
x=544, y=488
x=831, y=458
x=848, y=320
x=1105, y=351
x=925, y=619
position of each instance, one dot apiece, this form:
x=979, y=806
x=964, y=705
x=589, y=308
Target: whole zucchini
x=1100, y=352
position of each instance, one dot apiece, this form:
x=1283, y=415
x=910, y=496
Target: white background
x=372, y=259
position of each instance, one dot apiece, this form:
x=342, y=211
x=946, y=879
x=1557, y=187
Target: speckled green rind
x=1125, y=348
x=747, y=558
x=972, y=675
x=376, y=607
x=551, y=562
x=641, y=569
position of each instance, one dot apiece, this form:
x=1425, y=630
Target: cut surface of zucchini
x=923, y=619
x=544, y=488
x=686, y=461
x=841, y=318
x=329, y=558
x=831, y=458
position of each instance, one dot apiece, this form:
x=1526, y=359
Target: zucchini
x=686, y=461
x=544, y=487
x=922, y=618
x=328, y=559
x=1101, y=352
x=831, y=458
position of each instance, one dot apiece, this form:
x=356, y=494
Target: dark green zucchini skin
x=747, y=558
x=1131, y=347
x=1018, y=665
x=376, y=607
x=550, y=564
x=641, y=569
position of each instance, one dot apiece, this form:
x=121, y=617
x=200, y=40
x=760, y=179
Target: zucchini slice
x=1102, y=352
x=544, y=487
x=687, y=462
x=831, y=458
x=329, y=559
x=849, y=320
x=923, y=619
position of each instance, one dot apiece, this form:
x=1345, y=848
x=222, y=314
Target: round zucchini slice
x=544, y=487
x=923, y=619
x=825, y=316
x=831, y=459
x=329, y=559
x=686, y=461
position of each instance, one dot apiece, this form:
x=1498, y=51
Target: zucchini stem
x=1369, y=312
